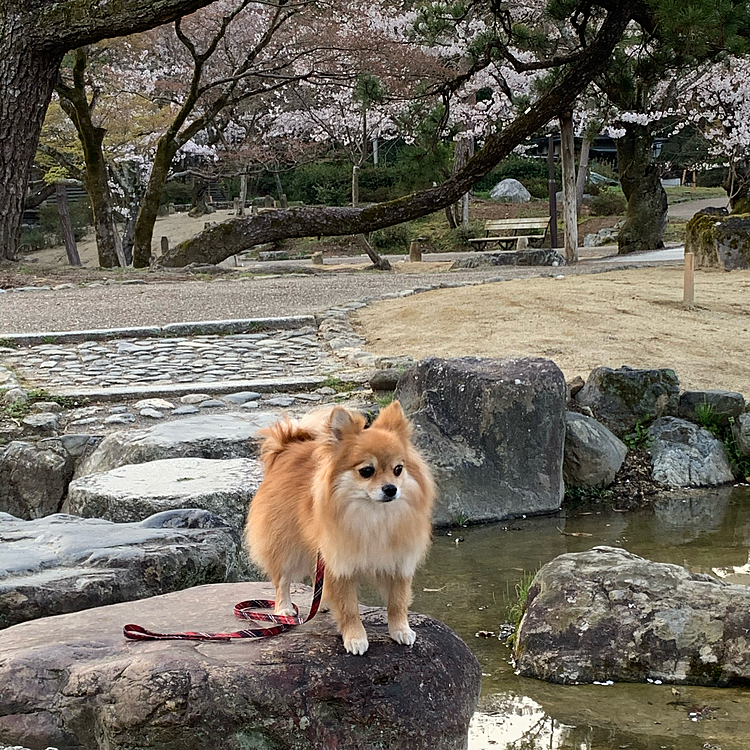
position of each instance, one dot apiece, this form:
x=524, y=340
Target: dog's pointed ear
x=393, y=418
x=342, y=422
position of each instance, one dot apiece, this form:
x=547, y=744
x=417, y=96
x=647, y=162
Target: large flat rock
x=202, y=436
x=75, y=683
x=607, y=614
x=136, y=491
x=493, y=432
x=63, y=563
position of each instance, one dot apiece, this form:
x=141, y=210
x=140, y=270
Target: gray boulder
x=722, y=406
x=136, y=491
x=685, y=455
x=510, y=191
x=204, y=436
x=63, y=563
x=607, y=614
x=385, y=379
x=33, y=479
x=540, y=257
x=493, y=432
x=622, y=398
x=593, y=455
x=741, y=432
x=75, y=682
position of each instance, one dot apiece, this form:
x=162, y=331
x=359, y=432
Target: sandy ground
x=632, y=317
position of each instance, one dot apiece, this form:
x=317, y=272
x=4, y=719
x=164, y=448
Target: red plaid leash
x=243, y=612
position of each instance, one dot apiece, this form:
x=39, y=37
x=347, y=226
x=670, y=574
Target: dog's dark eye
x=397, y=470
x=367, y=471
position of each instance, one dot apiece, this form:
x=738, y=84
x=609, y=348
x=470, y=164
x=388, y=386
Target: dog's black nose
x=390, y=490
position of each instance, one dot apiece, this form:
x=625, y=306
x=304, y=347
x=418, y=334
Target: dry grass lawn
x=632, y=317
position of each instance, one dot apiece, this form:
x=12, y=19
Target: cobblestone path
x=205, y=359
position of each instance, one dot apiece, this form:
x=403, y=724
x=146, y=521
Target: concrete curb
x=196, y=328
x=269, y=385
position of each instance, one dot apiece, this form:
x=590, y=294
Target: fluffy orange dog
x=363, y=497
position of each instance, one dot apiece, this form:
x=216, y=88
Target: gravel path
x=119, y=305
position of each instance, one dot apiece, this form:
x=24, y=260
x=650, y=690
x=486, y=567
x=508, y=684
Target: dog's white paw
x=403, y=634
x=284, y=611
x=357, y=645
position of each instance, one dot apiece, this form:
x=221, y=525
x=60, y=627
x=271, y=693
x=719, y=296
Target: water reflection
x=469, y=582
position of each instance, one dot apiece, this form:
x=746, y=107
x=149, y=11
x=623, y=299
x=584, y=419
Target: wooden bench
x=512, y=234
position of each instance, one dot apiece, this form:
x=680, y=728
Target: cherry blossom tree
x=718, y=106
x=599, y=30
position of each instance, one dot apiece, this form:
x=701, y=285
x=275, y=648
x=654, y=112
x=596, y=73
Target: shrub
x=393, y=239
x=609, y=202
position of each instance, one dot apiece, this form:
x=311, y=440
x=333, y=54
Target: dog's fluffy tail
x=278, y=437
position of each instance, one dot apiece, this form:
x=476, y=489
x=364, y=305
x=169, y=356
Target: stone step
x=137, y=491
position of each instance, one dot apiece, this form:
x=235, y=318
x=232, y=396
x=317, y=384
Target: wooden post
x=61, y=196
x=236, y=206
x=688, y=297
x=267, y=201
x=415, y=252
x=283, y=201
x=570, y=213
x=164, y=245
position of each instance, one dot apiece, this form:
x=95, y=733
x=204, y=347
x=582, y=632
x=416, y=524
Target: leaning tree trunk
x=26, y=82
x=149, y=208
x=646, y=218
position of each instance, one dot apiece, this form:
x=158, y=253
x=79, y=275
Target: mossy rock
x=719, y=242
x=625, y=397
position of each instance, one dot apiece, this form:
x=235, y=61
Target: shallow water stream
x=468, y=583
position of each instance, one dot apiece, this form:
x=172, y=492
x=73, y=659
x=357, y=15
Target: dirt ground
x=178, y=227
x=633, y=317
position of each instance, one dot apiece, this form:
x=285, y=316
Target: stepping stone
x=137, y=491
x=75, y=673
x=204, y=436
x=62, y=563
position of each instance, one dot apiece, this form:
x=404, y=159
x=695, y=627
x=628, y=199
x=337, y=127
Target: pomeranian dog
x=362, y=496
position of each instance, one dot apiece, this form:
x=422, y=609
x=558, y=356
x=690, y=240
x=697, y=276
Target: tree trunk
x=61, y=197
x=570, y=214
x=27, y=79
x=277, y=181
x=75, y=103
x=646, y=218
x=355, y=185
x=378, y=262
x=463, y=150
x=149, y=208
x=583, y=170
x=243, y=195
